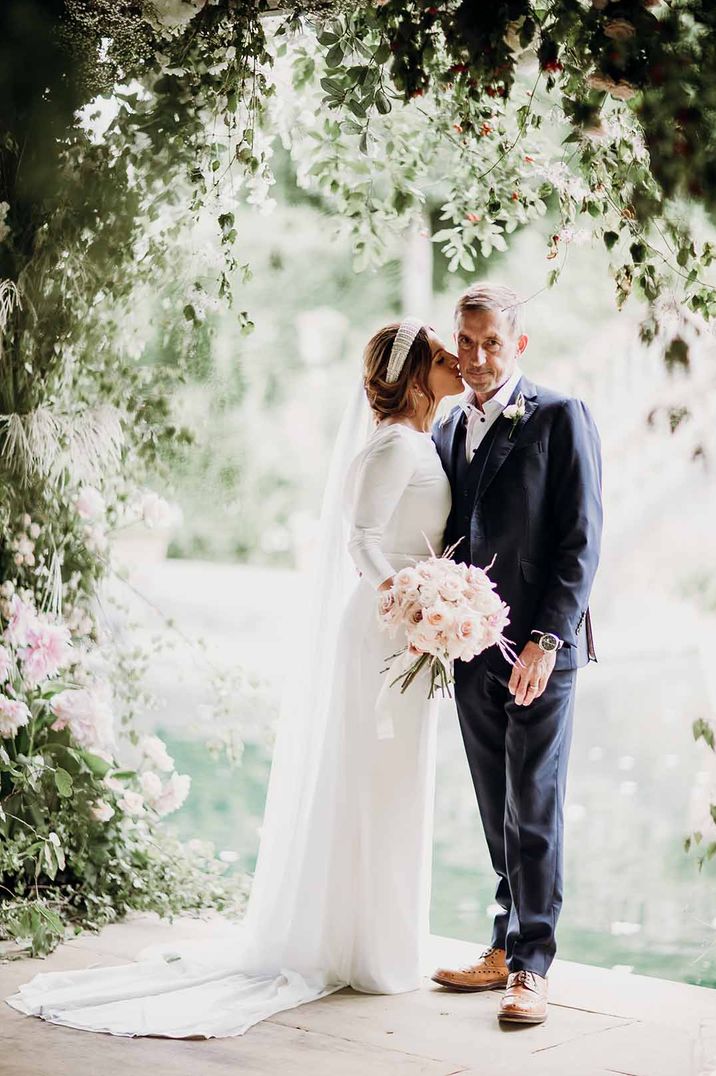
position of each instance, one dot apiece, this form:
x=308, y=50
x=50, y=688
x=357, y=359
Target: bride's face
x=444, y=377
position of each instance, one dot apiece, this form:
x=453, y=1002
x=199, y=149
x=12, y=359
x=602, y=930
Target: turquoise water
x=632, y=897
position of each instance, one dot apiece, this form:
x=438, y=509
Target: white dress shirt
x=480, y=419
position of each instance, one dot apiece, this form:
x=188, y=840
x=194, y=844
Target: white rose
x=174, y=793
x=156, y=511
x=131, y=802
x=151, y=785
x=154, y=749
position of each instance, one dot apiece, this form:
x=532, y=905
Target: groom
x=524, y=467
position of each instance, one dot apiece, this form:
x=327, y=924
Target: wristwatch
x=547, y=641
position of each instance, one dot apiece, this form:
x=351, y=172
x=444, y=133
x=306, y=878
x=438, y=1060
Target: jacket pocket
x=531, y=572
x=531, y=446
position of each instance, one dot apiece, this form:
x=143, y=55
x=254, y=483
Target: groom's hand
x=531, y=674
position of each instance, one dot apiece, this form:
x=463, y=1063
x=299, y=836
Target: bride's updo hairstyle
x=388, y=399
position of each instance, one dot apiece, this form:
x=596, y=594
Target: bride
x=340, y=894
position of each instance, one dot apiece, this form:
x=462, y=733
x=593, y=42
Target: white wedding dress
x=341, y=891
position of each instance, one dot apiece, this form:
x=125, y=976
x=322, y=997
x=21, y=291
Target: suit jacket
x=531, y=498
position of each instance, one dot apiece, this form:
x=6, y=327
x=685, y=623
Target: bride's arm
x=385, y=472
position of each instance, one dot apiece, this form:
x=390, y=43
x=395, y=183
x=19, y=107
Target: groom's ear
x=522, y=343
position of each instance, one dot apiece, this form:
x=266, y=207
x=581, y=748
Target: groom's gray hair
x=486, y=296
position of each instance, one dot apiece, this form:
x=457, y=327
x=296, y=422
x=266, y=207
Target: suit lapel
x=455, y=442
x=502, y=445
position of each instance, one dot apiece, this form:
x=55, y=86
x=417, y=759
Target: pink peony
x=47, y=649
x=22, y=619
x=87, y=713
x=13, y=715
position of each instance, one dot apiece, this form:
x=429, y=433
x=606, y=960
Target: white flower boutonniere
x=515, y=413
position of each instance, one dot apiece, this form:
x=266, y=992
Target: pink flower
x=22, y=619
x=48, y=649
x=5, y=664
x=13, y=715
x=437, y=617
x=101, y=811
x=173, y=794
x=87, y=713
x=89, y=503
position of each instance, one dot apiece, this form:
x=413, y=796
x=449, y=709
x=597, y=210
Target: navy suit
x=531, y=498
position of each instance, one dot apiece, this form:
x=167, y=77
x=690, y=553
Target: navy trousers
x=518, y=761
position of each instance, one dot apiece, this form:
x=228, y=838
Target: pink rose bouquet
x=446, y=611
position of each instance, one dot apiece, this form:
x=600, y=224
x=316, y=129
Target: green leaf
x=63, y=782
x=98, y=766
x=382, y=104
x=333, y=87
x=610, y=238
x=334, y=56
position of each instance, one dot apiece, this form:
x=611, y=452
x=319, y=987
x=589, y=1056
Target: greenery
x=134, y=124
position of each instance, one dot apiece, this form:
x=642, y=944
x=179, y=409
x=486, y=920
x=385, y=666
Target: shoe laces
x=524, y=978
x=483, y=956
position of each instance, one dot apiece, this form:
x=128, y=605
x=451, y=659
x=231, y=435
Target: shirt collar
x=499, y=400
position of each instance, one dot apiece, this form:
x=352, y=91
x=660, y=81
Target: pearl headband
x=407, y=331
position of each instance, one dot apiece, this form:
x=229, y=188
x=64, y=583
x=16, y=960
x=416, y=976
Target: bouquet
x=447, y=611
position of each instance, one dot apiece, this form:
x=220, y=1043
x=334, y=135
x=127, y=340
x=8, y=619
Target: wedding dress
x=341, y=890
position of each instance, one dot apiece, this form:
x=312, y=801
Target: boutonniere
x=515, y=413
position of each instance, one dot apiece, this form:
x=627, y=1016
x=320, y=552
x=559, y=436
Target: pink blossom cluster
x=447, y=610
x=43, y=647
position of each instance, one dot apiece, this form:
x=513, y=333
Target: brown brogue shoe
x=525, y=1000
x=490, y=973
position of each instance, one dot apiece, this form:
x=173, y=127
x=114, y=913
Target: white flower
x=155, y=511
x=131, y=802
x=154, y=749
x=7, y=589
x=151, y=785
x=515, y=411
x=95, y=539
x=101, y=811
x=174, y=14
x=89, y=503
x=174, y=793
x=34, y=530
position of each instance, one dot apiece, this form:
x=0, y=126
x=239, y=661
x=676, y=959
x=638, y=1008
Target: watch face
x=549, y=642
